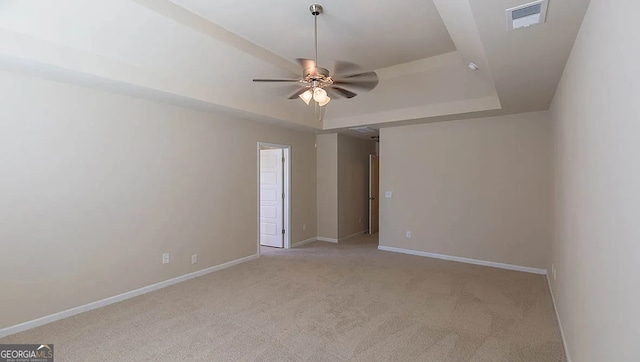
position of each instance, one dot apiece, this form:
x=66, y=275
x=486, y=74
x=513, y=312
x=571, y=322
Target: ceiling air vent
x=526, y=15
x=363, y=129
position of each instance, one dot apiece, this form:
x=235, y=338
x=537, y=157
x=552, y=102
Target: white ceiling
x=347, y=30
x=204, y=54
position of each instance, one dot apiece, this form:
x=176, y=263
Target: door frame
x=287, y=191
x=371, y=198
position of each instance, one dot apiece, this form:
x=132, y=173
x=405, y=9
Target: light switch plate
x=388, y=194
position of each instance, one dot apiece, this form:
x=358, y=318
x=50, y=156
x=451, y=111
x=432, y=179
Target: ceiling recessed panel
x=373, y=35
x=444, y=84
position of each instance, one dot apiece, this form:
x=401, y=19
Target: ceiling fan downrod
x=316, y=9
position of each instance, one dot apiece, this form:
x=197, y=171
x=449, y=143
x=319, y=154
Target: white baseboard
x=330, y=240
x=118, y=298
x=303, y=242
x=359, y=233
x=465, y=260
x=555, y=308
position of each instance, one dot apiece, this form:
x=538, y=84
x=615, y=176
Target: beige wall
x=94, y=187
x=353, y=184
x=596, y=116
x=478, y=188
x=327, y=181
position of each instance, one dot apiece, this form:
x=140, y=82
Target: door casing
x=287, y=188
x=374, y=193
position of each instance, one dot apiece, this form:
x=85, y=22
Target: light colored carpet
x=323, y=302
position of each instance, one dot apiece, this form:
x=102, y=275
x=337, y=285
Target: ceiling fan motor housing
x=316, y=72
x=317, y=77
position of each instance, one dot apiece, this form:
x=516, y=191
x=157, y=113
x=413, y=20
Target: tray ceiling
x=204, y=54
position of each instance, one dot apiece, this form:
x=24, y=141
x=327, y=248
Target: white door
x=271, y=198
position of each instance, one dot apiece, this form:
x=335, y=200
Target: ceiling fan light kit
x=306, y=96
x=324, y=102
x=319, y=85
x=319, y=95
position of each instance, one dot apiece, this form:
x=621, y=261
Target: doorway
x=274, y=188
x=374, y=189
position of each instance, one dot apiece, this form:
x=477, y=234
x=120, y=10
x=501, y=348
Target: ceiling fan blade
x=342, y=68
x=298, y=93
x=341, y=92
x=333, y=94
x=307, y=63
x=366, y=81
x=276, y=80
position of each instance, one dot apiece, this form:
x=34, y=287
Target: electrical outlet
x=165, y=258
x=408, y=235
x=304, y=227
x=194, y=258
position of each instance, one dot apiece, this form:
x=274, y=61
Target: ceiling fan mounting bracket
x=316, y=9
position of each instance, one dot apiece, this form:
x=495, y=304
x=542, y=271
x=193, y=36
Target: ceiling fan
x=319, y=85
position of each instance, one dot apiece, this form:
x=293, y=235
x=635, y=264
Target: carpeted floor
x=323, y=302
